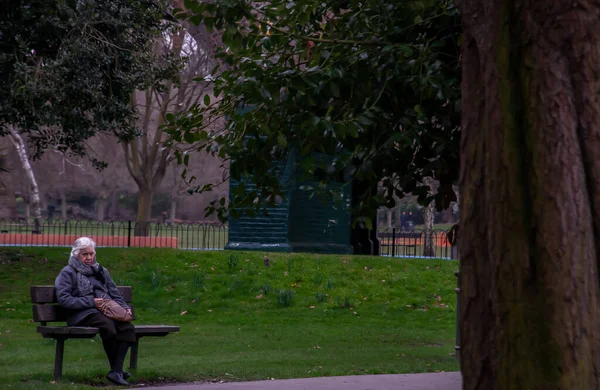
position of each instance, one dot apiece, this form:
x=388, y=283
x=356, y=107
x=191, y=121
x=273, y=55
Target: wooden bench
x=46, y=309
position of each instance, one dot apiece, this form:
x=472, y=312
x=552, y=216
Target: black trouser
x=116, y=337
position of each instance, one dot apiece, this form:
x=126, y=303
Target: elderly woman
x=80, y=288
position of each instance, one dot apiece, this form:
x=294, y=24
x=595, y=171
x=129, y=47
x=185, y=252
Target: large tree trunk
x=144, y=211
x=34, y=194
x=100, y=211
x=530, y=195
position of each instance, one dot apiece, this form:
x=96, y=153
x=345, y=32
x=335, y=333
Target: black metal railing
x=192, y=236
x=416, y=243
x=57, y=232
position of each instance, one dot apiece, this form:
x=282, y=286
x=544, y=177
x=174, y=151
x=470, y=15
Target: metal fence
x=57, y=232
x=191, y=236
x=413, y=243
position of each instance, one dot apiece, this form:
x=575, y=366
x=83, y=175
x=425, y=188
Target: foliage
x=372, y=84
x=241, y=335
x=70, y=67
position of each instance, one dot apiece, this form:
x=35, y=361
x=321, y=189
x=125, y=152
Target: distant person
x=50, y=209
x=402, y=220
x=81, y=288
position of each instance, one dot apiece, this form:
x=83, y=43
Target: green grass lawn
x=306, y=315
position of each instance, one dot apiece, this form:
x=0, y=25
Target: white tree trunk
x=17, y=140
x=428, y=214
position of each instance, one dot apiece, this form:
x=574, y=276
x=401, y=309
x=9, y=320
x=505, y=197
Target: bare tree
x=34, y=192
x=146, y=157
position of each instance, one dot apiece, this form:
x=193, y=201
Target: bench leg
x=58, y=358
x=133, y=354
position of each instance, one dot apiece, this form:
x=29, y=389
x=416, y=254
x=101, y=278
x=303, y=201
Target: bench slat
x=89, y=332
x=46, y=294
x=48, y=313
x=72, y=332
x=155, y=330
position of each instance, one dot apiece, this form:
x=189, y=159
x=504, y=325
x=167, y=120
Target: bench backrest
x=46, y=309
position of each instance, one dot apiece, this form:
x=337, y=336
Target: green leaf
x=206, y=100
x=189, y=137
x=281, y=140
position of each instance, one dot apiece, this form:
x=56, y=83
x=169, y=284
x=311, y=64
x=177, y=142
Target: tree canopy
x=372, y=84
x=69, y=67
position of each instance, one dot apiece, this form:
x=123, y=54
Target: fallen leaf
x=285, y=273
x=247, y=259
x=183, y=313
x=383, y=281
x=210, y=311
x=193, y=301
x=311, y=307
x=212, y=268
x=259, y=296
x=30, y=321
x=355, y=313
x=317, y=347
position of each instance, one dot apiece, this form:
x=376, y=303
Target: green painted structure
x=300, y=223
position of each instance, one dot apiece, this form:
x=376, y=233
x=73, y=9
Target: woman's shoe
x=126, y=375
x=116, y=377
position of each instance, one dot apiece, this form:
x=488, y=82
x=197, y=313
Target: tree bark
x=144, y=211
x=101, y=207
x=34, y=194
x=428, y=216
x=530, y=195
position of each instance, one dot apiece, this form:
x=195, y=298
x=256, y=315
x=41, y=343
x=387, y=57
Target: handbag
x=112, y=309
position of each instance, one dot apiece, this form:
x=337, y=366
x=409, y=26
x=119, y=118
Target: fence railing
x=57, y=232
x=191, y=236
x=416, y=243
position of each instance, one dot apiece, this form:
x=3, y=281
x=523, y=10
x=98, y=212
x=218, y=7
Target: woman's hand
x=129, y=311
x=98, y=302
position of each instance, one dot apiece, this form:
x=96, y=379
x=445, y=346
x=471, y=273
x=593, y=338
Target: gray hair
x=81, y=243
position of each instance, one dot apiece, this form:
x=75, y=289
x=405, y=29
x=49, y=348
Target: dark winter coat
x=78, y=307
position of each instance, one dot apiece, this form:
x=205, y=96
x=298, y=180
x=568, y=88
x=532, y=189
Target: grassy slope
x=381, y=316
